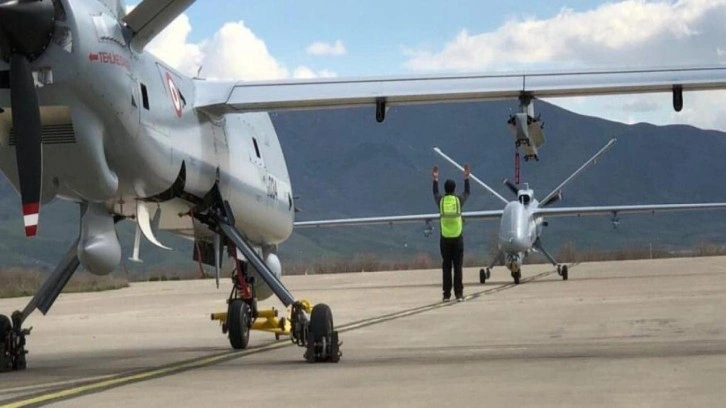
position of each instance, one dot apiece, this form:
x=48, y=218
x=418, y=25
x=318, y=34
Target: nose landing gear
x=317, y=335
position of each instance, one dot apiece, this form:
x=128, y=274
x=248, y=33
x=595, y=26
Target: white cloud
x=303, y=72
x=171, y=46
x=628, y=33
x=323, y=48
x=632, y=32
x=234, y=52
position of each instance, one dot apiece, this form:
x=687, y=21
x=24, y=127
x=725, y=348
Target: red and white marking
x=175, y=97
x=30, y=218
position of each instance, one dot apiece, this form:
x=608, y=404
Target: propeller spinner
x=26, y=29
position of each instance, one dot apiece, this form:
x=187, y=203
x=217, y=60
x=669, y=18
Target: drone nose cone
x=26, y=27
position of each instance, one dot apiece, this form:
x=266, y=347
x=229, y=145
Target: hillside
x=344, y=164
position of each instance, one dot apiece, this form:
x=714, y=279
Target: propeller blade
x=513, y=187
x=28, y=149
x=26, y=29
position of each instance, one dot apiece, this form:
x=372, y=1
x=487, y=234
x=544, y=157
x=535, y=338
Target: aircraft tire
x=482, y=276
x=516, y=276
x=564, y=272
x=238, y=324
x=5, y=327
x=322, y=339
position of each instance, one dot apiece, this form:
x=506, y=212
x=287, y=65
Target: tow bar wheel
x=238, y=324
x=322, y=341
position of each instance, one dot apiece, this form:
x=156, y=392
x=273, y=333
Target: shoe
x=460, y=299
x=446, y=300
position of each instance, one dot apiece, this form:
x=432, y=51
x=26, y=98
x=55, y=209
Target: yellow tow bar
x=267, y=320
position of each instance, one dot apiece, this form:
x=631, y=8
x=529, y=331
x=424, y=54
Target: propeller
x=513, y=187
x=26, y=29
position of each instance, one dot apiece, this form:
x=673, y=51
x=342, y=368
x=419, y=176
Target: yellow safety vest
x=450, y=211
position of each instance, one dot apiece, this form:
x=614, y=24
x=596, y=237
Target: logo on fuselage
x=109, y=58
x=175, y=96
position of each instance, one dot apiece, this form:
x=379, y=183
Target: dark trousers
x=452, y=253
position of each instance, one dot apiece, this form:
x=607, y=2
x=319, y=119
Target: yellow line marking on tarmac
x=174, y=368
x=153, y=373
x=52, y=384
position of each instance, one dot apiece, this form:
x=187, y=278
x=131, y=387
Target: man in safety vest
x=451, y=226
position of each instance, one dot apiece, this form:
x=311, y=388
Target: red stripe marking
x=31, y=230
x=31, y=208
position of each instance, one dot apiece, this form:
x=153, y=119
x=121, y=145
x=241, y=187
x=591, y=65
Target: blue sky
x=256, y=39
x=374, y=31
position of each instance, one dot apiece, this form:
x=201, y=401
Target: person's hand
x=435, y=173
x=466, y=171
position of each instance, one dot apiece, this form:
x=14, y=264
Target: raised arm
x=435, y=176
x=465, y=195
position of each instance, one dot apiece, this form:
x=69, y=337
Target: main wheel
x=482, y=276
x=516, y=276
x=238, y=324
x=564, y=272
x=322, y=343
x=5, y=327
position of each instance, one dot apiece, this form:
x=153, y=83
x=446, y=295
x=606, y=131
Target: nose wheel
x=516, y=276
x=239, y=321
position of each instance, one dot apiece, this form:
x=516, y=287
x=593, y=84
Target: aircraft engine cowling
x=261, y=289
x=98, y=249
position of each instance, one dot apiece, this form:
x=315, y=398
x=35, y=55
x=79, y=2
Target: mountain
x=345, y=164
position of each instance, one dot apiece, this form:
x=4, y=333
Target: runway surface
x=617, y=334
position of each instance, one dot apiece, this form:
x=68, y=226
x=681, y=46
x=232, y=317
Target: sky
x=282, y=39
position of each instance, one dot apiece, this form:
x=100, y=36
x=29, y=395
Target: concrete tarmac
x=617, y=334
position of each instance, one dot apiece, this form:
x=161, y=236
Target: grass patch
x=17, y=281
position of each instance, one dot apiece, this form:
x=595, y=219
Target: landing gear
x=484, y=274
x=322, y=341
x=316, y=335
x=562, y=271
